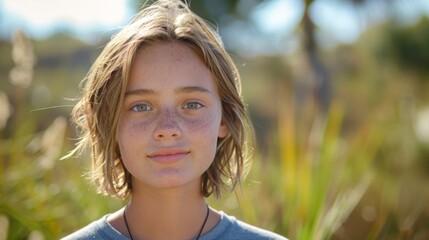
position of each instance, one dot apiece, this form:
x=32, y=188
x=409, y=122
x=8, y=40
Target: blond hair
x=98, y=111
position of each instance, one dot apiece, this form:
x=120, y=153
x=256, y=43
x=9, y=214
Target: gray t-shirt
x=228, y=228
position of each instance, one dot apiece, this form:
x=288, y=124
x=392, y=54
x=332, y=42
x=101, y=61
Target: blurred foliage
x=409, y=46
x=360, y=171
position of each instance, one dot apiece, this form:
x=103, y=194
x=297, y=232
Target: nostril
x=167, y=128
x=166, y=135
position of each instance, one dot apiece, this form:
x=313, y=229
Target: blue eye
x=193, y=105
x=141, y=108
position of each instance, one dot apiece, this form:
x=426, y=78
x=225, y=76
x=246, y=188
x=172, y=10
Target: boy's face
x=171, y=118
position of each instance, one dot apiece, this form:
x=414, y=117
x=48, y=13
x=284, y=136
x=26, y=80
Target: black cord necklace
x=199, y=234
x=204, y=223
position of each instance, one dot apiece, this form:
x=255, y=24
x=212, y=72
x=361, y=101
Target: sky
x=88, y=19
x=42, y=18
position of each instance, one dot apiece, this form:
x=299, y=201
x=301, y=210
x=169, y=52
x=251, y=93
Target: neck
x=162, y=213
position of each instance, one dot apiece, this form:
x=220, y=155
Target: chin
x=175, y=181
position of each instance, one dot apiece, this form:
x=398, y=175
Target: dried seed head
x=52, y=142
x=5, y=109
x=24, y=59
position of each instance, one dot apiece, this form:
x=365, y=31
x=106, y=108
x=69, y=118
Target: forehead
x=165, y=63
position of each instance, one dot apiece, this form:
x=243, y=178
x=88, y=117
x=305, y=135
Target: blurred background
x=338, y=91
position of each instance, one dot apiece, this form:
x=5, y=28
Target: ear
x=223, y=130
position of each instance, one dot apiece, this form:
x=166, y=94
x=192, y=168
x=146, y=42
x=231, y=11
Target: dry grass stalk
x=5, y=109
x=24, y=59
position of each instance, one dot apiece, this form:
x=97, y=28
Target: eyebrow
x=189, y=89
x=140, y=92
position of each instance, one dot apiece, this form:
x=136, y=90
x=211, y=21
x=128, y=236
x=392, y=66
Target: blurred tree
x=322, y=89
x=311, y=47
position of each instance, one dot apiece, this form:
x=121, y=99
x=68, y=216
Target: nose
x=167, y=127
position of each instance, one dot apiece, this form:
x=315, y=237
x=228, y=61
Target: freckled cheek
x=130, y=132
x=204, y=124
x=204, y=135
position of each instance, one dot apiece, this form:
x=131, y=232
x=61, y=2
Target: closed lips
x=166, y=153
x=168, y=156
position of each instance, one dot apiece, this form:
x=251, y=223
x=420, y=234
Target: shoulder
x=231, y=229
x=98, y=229
x=247, y=231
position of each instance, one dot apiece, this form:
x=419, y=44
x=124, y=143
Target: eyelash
x=135, y=107
x=147, y=107
x=199, y=105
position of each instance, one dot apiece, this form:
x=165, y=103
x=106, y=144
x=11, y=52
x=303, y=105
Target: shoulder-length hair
x=97, y=112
